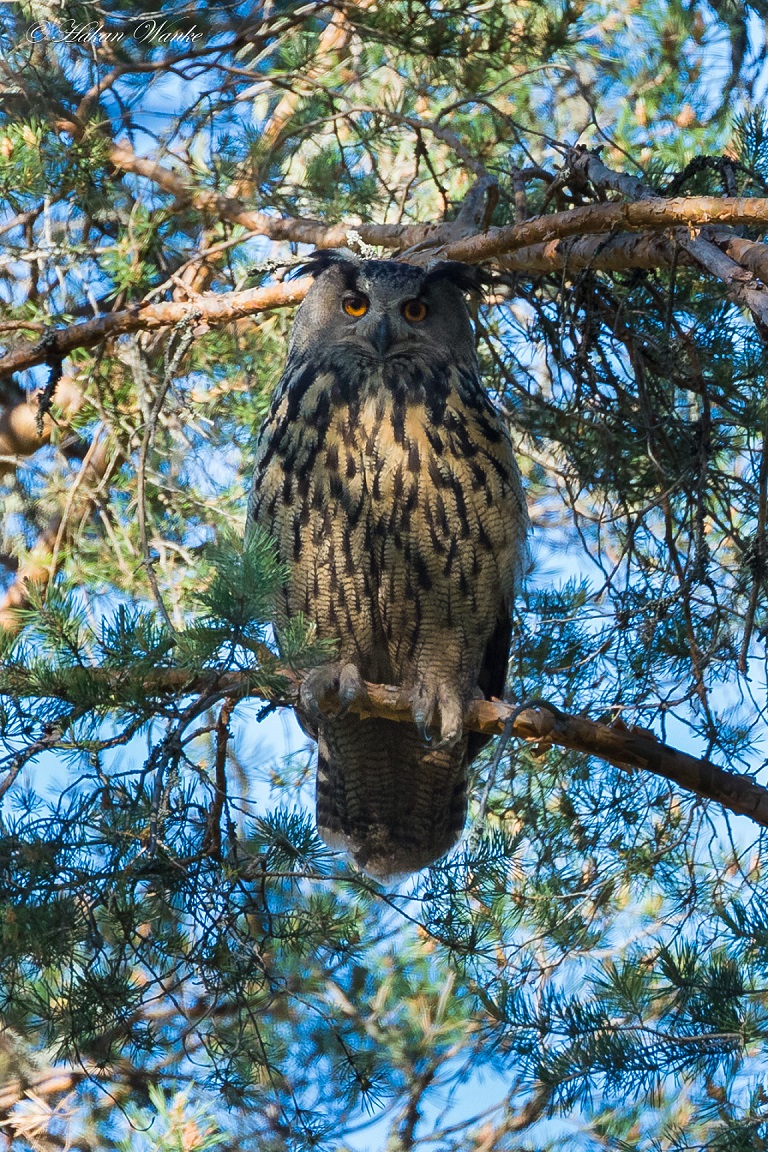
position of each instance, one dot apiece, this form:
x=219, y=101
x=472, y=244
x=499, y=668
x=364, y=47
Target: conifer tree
x=183, y=963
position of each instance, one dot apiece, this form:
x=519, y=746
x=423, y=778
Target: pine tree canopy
x=183, y=963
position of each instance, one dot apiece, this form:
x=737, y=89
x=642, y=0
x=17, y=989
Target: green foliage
x=751, y=141
x=245, y=581
x=590, y=964
x=171, y=1125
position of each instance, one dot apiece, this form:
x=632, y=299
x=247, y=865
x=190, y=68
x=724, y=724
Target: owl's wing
x=481, y=453
x=493, y=674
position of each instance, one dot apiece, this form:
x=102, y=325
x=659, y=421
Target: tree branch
x=216, y=308
x=739, y=281
x=535, y=721
x=612, y=253
x=537, y=236
x=655, y=214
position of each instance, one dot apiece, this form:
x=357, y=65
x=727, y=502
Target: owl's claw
x=351, y=687
x=451, y=719
x=342, y=679
x=429, y=698
x=312, y=690
x=424, y=707
x=422, y=727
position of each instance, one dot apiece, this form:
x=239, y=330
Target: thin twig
x=212, y=841
x=171, y=367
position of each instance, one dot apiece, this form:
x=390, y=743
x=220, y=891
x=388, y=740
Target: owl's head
x=383, y=309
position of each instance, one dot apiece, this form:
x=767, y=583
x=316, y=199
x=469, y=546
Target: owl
x=388, y=484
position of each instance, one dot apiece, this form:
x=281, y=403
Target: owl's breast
x=396, y=504
x=445, y=525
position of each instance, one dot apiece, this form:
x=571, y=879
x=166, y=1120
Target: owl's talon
x=351, y=688
x=309, y=703
x=423, y=730
x=315, y=686
x=343, y=680
x=430, y=698
x=423, y=707
x=451, y=720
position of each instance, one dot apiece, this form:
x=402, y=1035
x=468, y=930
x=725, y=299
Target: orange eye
x=355, y=305
x=415, y=311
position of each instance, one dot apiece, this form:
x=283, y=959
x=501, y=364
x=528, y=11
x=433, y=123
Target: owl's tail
x=382, y=795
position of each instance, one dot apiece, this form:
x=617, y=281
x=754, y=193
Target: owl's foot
x=351, y=687
x=337, y=678
x=430, y=697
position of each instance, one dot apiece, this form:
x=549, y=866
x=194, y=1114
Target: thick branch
x=214, y=309
x=537, y=723
x=617, y=253
x=717, y=260
x=425, y=246
x=655, y=214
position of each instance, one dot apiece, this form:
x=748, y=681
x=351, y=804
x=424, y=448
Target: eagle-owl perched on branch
x=388, y=483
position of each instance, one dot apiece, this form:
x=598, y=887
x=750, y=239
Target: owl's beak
x=380, y=336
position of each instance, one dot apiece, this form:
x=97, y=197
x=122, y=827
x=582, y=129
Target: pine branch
x=617, y=253
x=739, y=281
x=333, y=41
x=214, y=309
x=537, y=234
x=656, y=214
x=535, y=721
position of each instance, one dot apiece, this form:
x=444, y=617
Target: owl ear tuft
x=322, y=259
x=466, y=277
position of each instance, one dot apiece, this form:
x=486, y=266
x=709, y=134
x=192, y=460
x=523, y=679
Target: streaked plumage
x=388, y=483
